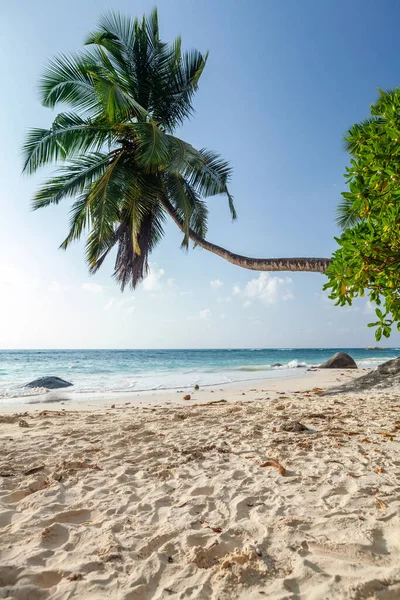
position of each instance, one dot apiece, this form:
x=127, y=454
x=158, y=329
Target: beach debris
x=112, y=405
x=34, y=470
x=196, y=387
x=305, y=444
x=294, y=426
x=276, y=464
x=50, y=383
x=75, y=577
x=214, y=529
x=379, y=470
x=7, y=474
x=214, y=402
x=317, y=416
x=9, y=418
x=170, y=559
x=380, y=504
x=23, y=423
x=317, y=390
x=187, y=397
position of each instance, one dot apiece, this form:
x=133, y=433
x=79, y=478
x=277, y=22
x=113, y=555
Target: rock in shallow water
x=50, y=383
x=340, y=360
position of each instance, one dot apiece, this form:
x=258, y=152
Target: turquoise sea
x=94, y=371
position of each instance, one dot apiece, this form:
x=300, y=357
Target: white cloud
x=204, y=315
x=247, y=304
x=236, y=289
x=224, y=299
x=58, y=287
x=54, y=287
x=125, y=305
x=152, y=282
x=369, y=308
x=109, y=304
x=93, y=288
x=216, y=283
x=13, y=279
x=269, y=289
x=350, y=308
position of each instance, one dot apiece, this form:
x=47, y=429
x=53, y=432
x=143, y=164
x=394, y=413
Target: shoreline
x=62, y=398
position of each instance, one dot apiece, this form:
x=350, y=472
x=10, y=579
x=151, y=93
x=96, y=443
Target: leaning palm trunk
x=313, y=265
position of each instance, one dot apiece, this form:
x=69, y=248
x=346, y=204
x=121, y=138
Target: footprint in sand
x=14, y=497
x=6, y=517
x=206, y=490
x=54, y=536
x=73, y=516
x=39, y=559
x=47, y=579
x=9, y=575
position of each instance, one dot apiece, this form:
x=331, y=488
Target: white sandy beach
x=169, y=499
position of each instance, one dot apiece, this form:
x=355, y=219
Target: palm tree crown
x=121, y=164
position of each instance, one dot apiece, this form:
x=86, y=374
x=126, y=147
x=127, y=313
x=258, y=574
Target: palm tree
x=121, y=164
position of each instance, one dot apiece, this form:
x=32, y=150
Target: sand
x=173, y=501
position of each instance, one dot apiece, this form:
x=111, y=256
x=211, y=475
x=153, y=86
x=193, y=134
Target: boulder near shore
x=340, y=360
x=384, y=377
x=50, y=383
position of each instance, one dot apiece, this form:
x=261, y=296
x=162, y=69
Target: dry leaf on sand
x=276, y=464
x=380, y=503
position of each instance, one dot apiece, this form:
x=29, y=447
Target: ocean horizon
x=127, y=370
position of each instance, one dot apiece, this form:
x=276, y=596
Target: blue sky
x=284, y=82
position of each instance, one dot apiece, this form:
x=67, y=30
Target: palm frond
x=131, y=267
x=69, y=79
x=345, y=215
x=182, y=202
x=77, y=176
x=69, y=135
x=79, y=220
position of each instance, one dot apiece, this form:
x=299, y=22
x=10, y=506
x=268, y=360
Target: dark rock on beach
x=294, y=426
x=276, y=365
x=50, y=383
x=383, y=377
x=340, y=360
